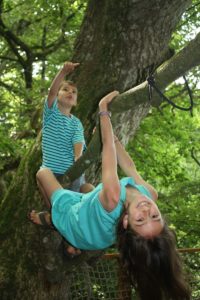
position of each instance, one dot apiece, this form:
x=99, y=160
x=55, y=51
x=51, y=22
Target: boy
x=62, y=133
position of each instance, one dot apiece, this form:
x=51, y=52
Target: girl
x=122, y=211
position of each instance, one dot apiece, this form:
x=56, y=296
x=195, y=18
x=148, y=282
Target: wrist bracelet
x=105, y=113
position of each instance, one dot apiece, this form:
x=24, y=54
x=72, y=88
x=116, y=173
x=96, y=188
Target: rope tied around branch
x=152, y=85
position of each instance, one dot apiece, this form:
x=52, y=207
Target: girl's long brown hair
x=153, y=265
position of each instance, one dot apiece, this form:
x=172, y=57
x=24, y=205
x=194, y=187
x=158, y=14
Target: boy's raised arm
x=67, y=68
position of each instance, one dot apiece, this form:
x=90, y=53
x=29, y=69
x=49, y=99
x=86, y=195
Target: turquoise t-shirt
x=83, y=221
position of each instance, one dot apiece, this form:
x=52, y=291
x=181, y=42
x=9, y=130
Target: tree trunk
x=119, y=42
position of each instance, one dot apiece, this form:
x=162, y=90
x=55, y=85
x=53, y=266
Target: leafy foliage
x=188, y=27
x=29, y=47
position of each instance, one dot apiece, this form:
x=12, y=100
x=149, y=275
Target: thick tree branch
x=164, y=75
x=90, y=156
x=168, y=72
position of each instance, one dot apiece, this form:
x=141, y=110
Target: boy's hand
x=69, y=67
x=103, y=104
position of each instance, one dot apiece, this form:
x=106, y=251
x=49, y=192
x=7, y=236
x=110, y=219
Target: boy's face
x=67, y=95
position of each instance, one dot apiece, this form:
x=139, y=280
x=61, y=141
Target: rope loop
x=152, y=85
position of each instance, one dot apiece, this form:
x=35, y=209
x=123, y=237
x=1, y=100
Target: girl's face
x=67, y=95
x=144, y=217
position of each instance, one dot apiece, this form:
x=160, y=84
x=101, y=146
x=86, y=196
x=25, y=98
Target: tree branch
x=168, y=72
x=13, y=40
x=86, y=160
x=164, y=75
x=49, y=48
x=8, y=37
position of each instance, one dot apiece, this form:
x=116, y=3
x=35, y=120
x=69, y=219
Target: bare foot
x=73, y=251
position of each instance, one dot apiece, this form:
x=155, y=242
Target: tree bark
x=119, y=42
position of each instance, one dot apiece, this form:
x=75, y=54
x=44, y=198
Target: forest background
x=37, y=37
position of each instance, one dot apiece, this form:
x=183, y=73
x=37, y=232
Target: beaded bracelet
x=105, y=113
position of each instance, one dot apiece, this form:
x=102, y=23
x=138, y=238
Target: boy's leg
x=86, y=188
x=47, y=184
x=80, y=185
x=44, y=195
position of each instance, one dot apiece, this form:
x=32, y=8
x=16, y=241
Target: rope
x=151, y=85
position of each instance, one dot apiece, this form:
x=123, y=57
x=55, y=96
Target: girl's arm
x=109, y=196
x=128, y=167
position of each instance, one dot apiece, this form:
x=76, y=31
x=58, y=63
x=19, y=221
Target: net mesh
x=107, y=280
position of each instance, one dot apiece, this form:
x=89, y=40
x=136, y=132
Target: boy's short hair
x=69, y=82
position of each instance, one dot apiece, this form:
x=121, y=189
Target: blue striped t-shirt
x=59, y=134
